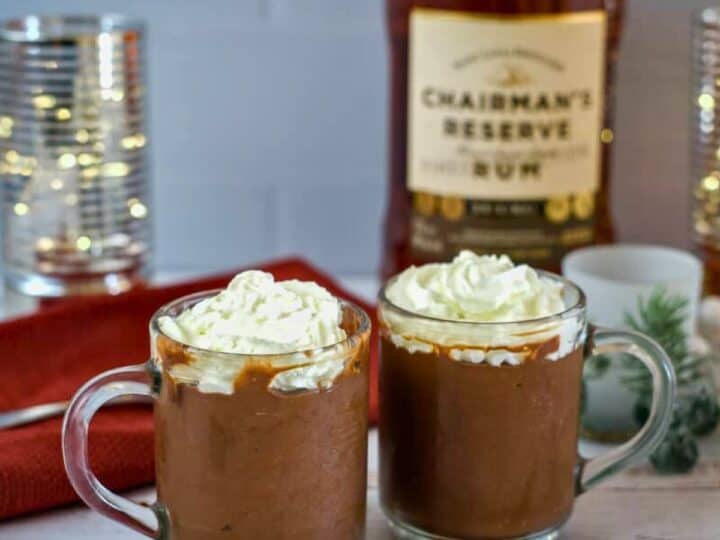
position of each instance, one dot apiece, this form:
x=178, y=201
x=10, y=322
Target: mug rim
x=34, y=27
x=350, y=341
x=570, y=311
x=578, y=262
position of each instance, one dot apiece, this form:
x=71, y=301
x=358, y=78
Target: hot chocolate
x=476, y=450
x=479, y=406
x=261, y=406
x=259, y=463
x=262, y=432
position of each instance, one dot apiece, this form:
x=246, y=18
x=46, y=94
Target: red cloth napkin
x=48, y=356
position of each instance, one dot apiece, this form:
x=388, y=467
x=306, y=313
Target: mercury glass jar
x=705, y=142
x=74, y=155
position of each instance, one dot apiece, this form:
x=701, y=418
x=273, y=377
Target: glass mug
x=477, y=444
x=256, y=463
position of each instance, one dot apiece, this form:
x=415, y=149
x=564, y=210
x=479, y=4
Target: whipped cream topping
x=256, y=315
x=478, y=289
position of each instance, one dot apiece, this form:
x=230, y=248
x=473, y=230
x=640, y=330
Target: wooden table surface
x=635, y=505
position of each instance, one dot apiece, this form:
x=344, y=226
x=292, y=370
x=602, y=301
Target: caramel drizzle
x=532, y=351
x=172, y=353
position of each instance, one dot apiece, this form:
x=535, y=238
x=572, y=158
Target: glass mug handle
x=605, y=341
x=121, y=382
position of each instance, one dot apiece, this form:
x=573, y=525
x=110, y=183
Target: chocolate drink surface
x=500, y=128
x=257, y=464
x=475, y=450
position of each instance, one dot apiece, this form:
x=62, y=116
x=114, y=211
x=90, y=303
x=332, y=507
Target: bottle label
x=504, y=132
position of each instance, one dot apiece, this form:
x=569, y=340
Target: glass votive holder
x=74, y=156
x=705, y=142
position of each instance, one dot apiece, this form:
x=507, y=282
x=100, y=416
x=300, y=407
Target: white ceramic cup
x=614, y=278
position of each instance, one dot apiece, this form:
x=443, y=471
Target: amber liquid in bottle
x=500, y=135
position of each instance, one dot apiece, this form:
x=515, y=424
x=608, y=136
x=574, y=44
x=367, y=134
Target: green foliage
x=661, y=316
x=678, y=453
x=702, y=413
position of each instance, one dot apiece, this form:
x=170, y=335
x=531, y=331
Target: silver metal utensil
x=36, y=413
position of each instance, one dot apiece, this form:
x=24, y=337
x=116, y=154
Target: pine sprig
x=662, y=317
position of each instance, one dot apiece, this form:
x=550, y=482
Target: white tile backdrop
x=268, y=126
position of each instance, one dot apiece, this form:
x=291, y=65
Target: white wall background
x=268, y=126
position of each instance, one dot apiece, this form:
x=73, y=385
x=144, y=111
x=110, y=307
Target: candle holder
x=74, y=155
x=705, y=142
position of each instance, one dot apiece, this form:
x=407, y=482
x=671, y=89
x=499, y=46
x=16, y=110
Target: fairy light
x=6, y=126
x=63, y=114
x=706, y=101
x=44, y=101
x=90, y=173
x=115, y=169
x=711, y=183
x=21, y=209
x=701, y=225
x=83, y=243
x=82, y=136
x=138, y=210
x=85, y=159
x=67, y=161
x=607, y=136
x=45, y=244
x=57, y=184
x=109, y=94
x=133, y=141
